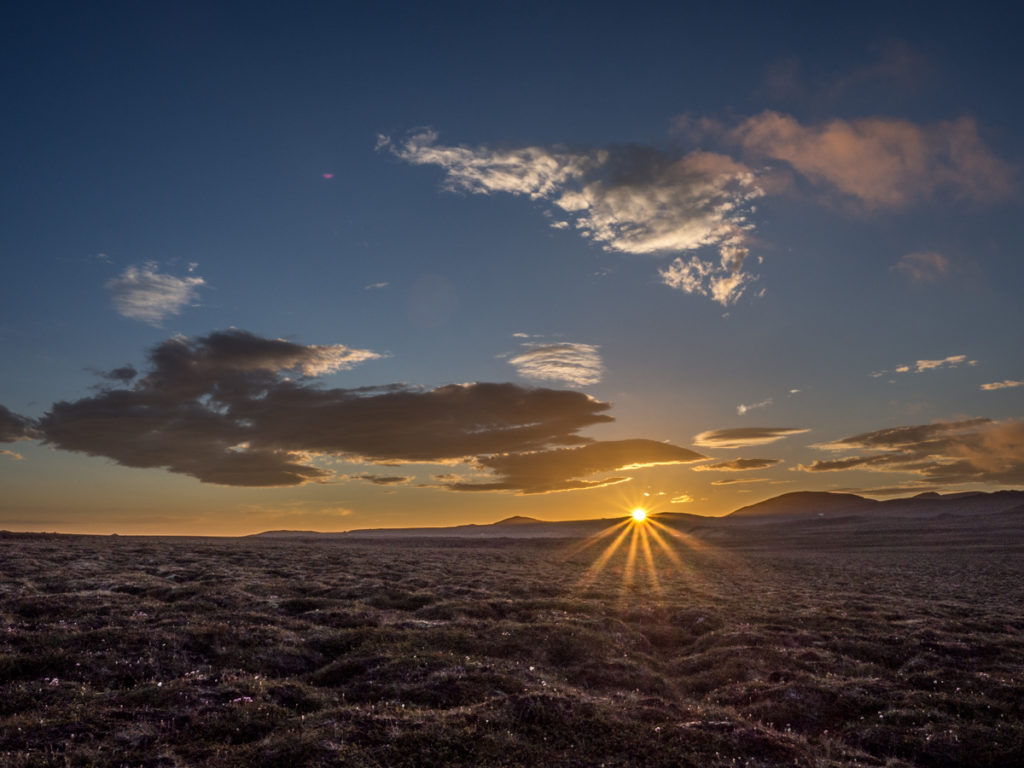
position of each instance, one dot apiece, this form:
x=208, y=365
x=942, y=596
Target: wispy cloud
x=953, y=361
x=742, y=409
x=742, y=437
x=923, y=266
x=143, y=293
x=375, y=286
x=745, y=480
x=920, y=366
x=1004, y=384
x=737, y=465
x=629, y=199
x=881, y=162
x=976, y=450
x=577, y=365
x=682, y=498
x=12, y=454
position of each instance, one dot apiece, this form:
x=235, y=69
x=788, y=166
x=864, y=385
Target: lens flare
x=639, y=514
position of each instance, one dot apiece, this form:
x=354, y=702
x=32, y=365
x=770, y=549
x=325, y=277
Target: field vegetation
x=119, y=651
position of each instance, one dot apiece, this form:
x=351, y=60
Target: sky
x=328, y=266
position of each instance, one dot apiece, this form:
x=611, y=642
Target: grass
x=179, y=652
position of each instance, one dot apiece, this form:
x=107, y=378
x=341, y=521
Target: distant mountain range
x=825, y=504
x=808, y=507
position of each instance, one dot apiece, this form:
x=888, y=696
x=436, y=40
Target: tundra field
x=758, y=646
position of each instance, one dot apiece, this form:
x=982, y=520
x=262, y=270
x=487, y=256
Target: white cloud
x=723, y=282
x=953, y=361
x=1005, y=384
x=577, y=365
x=947, y=362
x=741, y=437
x=742, y=409
x=628, y=199
x=376, y=286
x=143, y=293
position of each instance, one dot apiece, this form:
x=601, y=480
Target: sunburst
x=643, y=539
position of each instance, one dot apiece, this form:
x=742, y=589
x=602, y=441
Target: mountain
x=805, y=504
x=819, y=504
x=804, y=510
x=518, y=520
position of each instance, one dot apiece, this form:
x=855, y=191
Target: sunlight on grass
x=634, y=536
x=646, y=544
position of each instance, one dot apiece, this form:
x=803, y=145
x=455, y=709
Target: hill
x=805, y=503
x=800, y=508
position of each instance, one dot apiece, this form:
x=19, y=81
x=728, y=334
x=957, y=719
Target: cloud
x=723, y=282
x=629, y=199
x=744, y=436
x=123, y=374
x=953, y=361
x=742, y=409
x=923, y=266
x=376, y=286
x=577, y=365
x=743, y=480
x=384, y=479
x=12, y=454
x=682, y=498
x=14, y=427
x=143, y=293
x=233, y=408
x=737, y=465
x=881, y=162
x=976, y=450
x=1005, y=384
x=947, y=362
x=563, y=469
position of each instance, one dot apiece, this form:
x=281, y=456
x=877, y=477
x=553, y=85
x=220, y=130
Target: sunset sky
x=335, y=266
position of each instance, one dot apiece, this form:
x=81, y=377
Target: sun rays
x=642, y=549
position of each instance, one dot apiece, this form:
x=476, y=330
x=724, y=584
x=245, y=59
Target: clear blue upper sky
x=709, y=255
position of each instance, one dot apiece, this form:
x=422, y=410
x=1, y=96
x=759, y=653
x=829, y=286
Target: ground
x=742, y=650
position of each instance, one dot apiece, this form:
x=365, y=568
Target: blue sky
x=789, y=235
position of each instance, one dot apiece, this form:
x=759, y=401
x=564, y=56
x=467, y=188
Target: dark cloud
x=742, y=437
x=384, y=479
x=946, y=452
x=233, y=408
x=564, y=469
x=123, y=374
x=738, y=465
x=14, y=427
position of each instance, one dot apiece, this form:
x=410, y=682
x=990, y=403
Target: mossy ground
x=175, y=652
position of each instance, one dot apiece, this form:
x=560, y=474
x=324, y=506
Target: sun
x=639, y=514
